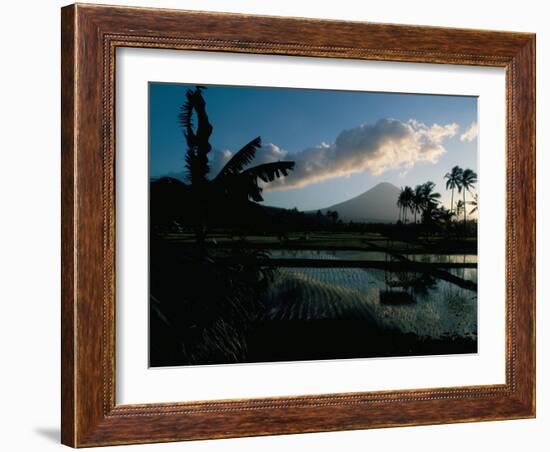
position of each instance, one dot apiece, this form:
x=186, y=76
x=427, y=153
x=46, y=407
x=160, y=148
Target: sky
x=342, y=142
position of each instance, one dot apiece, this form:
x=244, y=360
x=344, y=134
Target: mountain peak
x=378, y=204
x=384, y=184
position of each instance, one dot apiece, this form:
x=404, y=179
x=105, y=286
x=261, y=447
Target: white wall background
x=29, y=227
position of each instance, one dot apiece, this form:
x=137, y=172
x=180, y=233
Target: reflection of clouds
x=387, y=144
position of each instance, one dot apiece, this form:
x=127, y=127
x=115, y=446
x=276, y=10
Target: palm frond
x=242, y=158
x=268, y=172
x=196, y=159
x=469, y=179
x=244, y=185
x=185, y=118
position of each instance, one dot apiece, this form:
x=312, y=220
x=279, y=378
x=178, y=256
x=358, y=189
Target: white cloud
x=471, y=133
x=386, y=145
x=266, y=154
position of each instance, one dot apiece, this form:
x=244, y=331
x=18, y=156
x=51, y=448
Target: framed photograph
x=282, y=225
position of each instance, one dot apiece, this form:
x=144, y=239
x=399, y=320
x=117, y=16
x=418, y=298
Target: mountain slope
x=375, y=205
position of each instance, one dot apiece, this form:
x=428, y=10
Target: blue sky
x=343, y=142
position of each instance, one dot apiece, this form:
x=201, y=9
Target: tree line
x=423, y=200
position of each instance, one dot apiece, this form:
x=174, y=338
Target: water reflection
x=370, y=255
x=420, y=304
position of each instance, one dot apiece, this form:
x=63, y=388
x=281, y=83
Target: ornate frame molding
x=90, y=37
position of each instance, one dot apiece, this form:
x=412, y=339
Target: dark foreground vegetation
x=212, y=311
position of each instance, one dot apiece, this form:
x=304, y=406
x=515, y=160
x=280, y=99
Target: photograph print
x=292, y=224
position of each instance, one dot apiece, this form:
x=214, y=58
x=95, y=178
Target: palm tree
x=459, y=207
x=406, y=196
x=235, y=182
x=473, y=203
x=441, y=216
x=210, y=310
x=429, y=200
x=453, y=181
x=417, y=201
x=401, y=204
x=241, y=184
x=467, y=182
x=198, y=146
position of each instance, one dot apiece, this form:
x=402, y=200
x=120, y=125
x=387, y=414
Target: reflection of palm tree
x=467, y=182
x=453, y=181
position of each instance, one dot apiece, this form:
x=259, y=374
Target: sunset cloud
x=386, y=145
x=266, y=154
x=470, y=134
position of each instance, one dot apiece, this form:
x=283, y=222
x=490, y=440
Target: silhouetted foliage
x=201, y=305
x=453, y=181
x=198, y=146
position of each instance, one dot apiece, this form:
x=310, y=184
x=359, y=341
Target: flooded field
x=360, y=255
x=433, y=308
x=437, y=311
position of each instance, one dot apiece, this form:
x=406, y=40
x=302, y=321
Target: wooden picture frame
x=90, y=36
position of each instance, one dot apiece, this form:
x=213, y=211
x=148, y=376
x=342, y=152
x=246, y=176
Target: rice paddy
x=305, y=293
